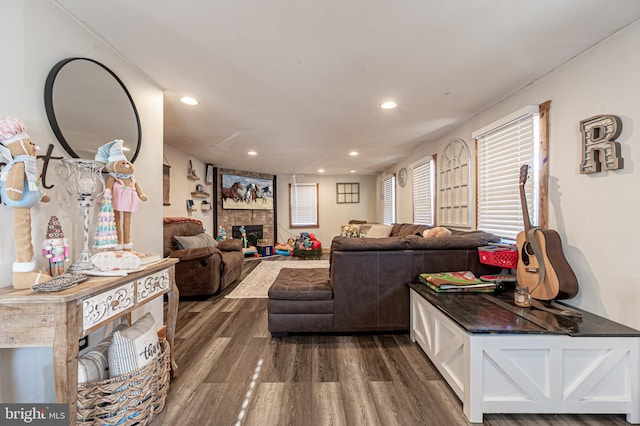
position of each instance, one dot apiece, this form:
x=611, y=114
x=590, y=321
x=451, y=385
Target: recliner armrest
x=194, y=253
x=230, y=245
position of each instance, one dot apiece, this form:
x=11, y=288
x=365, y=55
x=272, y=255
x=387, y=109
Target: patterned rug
x=256, y=284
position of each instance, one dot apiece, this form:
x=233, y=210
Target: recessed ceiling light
x=352, y=171
x=353, y=153
x=388, y=105
x=252, y=153
x=189, y=100
x=320, y=170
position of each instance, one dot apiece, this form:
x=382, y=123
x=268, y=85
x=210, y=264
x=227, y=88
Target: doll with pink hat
x=20, y=189
x=125, y=191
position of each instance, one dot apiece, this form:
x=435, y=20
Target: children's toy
x=124, y=189
x=20, y=189
x=222, y=234
x=307, y=246
x=55, y=247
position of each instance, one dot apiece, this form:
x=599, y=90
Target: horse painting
x=250, y=193
x=232, y=192
x=265, y=192
x=240, y=192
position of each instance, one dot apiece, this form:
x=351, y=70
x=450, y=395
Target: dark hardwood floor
x=231, y=372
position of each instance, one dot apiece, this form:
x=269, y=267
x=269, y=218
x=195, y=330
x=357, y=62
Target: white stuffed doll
x=20, y=189
x=125, y=191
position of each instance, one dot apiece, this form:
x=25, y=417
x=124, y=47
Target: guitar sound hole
x=526, y=252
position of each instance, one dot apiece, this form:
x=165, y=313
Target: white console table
x=60, y=319
x=499, y=358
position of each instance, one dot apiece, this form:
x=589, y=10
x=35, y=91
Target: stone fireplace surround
x=230, y=218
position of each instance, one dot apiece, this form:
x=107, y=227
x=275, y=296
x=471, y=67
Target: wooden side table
x=59, y=319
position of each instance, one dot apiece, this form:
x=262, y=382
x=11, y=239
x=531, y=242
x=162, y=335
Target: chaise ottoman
x=300, y=300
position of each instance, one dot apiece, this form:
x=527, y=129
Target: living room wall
x=41, y=34
x=181, y=188
x=596, y=215
x=331, y=214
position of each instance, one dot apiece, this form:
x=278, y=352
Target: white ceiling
x=300, y=81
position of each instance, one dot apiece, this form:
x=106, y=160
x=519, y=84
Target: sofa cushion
x=301, y=284
x=404, y=229
x=178, y=226
x=195, y=241
x=379, y=231
x=458, y=240
x=367, y=244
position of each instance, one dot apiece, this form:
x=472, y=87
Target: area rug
x=256, y=284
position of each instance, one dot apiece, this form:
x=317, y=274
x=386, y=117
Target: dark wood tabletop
x=496, y=313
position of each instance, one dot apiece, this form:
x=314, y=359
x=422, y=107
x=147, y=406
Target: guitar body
x=527, y=269
x=560, y=282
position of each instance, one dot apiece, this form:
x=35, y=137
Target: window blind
x=304, y=204
x=389, y=200
x=423, y=192
x=501, y=152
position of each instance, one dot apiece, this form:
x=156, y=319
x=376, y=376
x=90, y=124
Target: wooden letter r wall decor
x=599, y=150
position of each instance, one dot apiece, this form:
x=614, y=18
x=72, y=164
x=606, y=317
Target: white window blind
x=304, y=204
x=501, y=152
x=423, y=192
x=389, y=200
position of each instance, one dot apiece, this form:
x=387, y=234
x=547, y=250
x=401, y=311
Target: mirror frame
x=51, y=115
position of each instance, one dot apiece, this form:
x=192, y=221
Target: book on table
x=456, y=282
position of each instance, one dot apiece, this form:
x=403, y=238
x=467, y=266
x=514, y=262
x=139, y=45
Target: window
x=347, y=193
x=453, y=182
x=502, y=148
x=389, y=200
x=303, y=205
x=423, y=177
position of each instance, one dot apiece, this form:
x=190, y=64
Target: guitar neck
x=523, y=199
x=525, y=210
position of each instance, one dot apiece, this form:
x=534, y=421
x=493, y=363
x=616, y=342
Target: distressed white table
x=60, y=319
x=499, y=358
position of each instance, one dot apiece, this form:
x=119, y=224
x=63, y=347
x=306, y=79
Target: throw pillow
x=379, y=231
x=134, y=347
x=93, y=366
x=195, y=241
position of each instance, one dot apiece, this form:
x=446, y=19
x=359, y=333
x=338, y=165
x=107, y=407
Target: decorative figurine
x=222, y=234
x=20, y=189
x=55, y=247
x=106, y=236
x=124, y=189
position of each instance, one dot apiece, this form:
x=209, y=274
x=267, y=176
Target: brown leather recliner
x=202, y=271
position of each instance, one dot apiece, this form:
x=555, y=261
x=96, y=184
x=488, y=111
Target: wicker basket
x=133, y=398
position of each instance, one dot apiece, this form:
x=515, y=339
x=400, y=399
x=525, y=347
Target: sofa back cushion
x=173, y=227
x=379, y=231
x=404, y=229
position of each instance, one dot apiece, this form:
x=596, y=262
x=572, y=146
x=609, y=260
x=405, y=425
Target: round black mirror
x=88, y=106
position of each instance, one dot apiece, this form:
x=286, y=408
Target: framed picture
x=246, y=193
x=208, y=176
x=347, y=193
x=166, y=182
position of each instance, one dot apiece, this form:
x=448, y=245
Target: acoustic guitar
x=544, y=271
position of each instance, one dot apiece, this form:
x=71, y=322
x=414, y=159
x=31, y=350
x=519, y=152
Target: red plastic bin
x=504, y=257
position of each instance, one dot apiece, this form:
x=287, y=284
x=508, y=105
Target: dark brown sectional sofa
x=367, y=280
